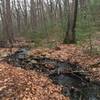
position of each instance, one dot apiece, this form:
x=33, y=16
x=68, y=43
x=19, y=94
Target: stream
x=72, y=77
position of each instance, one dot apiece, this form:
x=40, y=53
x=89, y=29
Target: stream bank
x=75, y=81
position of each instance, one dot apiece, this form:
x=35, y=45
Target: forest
x=49, y=49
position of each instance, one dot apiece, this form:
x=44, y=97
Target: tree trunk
x=70, y=37
x=33, y=15
x=7, y=22
x=25, y=15
x=18, y=17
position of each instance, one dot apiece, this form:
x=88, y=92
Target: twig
x=96, y=65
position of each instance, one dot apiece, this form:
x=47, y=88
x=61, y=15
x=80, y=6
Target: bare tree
x=9, y=28
x=43, y=16
x=18, y=16
x=25, y=15
x=7, y=21
x=72, y=16
x=33, y=15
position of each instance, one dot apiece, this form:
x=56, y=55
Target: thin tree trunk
x=9, y=28
x=33, y=15
x=25, y=15
x=18, y=17
x=70, y=37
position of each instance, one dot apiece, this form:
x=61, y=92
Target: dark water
x=75, y=85
x=77, y=90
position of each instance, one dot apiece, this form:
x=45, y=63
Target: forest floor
x=20, y=84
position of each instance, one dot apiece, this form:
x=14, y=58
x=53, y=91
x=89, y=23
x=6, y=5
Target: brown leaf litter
x=18, y=84
x=74, y=54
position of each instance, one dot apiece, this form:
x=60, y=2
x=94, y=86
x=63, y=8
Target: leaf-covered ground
x=74, y=54
x=19, y=84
